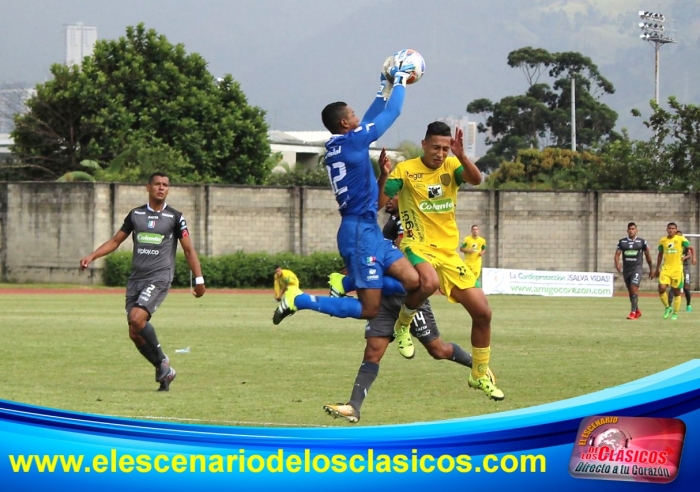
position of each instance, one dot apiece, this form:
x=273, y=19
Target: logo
x=149, y=238
x=436, y=206
x=151, y=224
x=434, y=191
x=333, y=152
x=445, y=179
x=372, y=271
x=414, y=177
x=629, y=449
x=370, y=260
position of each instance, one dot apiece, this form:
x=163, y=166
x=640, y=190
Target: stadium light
x=653, y=33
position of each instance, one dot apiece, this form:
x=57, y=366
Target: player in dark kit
x=631, y=249
x=155, y=229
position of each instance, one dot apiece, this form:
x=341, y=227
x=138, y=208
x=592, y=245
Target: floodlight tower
x=653, y=31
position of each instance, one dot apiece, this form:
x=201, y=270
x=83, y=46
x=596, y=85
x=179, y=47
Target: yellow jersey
x=284, y=280
x=476, y=244
x=427, y=201
x=672, y=248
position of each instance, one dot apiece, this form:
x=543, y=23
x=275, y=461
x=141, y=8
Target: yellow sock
x=676, y=304
x=480, y=361
x=664, y=299
x=406, y=315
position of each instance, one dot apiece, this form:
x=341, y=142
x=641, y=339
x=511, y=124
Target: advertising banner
x=545, y=283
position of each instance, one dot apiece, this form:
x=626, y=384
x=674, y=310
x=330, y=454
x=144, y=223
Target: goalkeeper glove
x=401, y=78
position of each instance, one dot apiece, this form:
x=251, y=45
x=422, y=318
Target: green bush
x=238, y=270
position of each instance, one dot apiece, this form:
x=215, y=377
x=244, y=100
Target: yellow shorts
x=474, y=268
x=450, y=267
x=674, y=279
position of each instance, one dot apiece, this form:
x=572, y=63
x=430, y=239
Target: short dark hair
x=631, y=224
x=277, y=266
x=332, y=114
x=157, y=175
x=439, y=129
x=672, y=224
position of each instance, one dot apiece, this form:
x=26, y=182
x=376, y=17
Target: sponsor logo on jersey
x=436, y=206
x=334, y=151
x=434, y=191
x=149, y=238
x=168, y=215
x=148, y=252
x=153, y=217
x=414, y=177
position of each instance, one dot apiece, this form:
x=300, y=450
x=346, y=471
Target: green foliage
x=549, y=169
x=238, y=270
x=144, y=104
x=676, y=137
x=541, y=117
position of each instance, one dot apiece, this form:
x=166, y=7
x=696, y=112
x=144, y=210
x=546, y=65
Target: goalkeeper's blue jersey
x=350, y=171
x=347, y=158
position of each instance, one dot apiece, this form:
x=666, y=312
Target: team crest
x=445, y=179
x=434, y=191
x=151, y=224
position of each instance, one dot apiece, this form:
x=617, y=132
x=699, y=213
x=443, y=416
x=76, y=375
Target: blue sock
x=348, y=284
x=390, y=286
x=340, y=307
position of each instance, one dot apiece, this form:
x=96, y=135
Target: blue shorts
x=365, y=251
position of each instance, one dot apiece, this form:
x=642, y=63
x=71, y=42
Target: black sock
x=634, y=299
x=149, y=334
x=460, y=356
x=365, y=377
x=687, y=297
x=149, y=355
x=671, y=295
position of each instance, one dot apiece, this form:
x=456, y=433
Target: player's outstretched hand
x=457, y=142
x=384, y=162
x=199, y=290
x=85, y=262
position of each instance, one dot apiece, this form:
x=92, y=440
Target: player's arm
x=691, y=251
x=384, y=170
x=470, y=173
x=104, y=249
x=379, y=102
x=618, y=254
x=659, y=258
x=278, y=288
x=483, y=250
x=463, y=247
x=193, y=262
x=394, y=183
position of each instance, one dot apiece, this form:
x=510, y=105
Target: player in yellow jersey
x=283, y=280
x=427, y=188
x=671, y=252
x=474, y=247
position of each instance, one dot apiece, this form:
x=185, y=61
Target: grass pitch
x=72, y=351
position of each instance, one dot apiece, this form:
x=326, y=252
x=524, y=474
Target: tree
x=146, y=97
x=541, y=117
x=676, y=135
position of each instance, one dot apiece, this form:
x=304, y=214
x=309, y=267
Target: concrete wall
x=45, y=228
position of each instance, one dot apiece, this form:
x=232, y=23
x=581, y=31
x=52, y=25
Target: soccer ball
x=409, y=61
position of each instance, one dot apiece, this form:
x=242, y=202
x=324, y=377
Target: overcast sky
x=294, y=56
